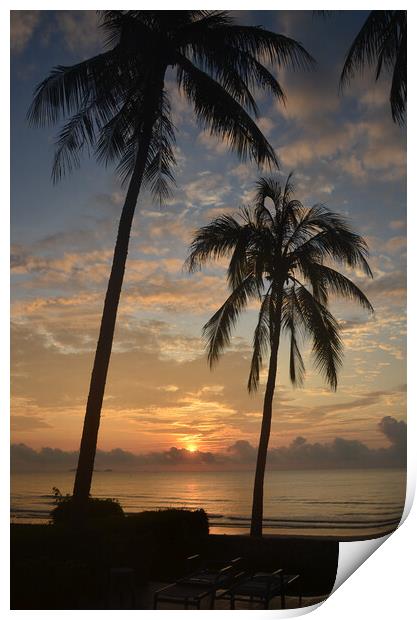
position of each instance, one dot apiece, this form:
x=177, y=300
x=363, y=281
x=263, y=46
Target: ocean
x=340, y=503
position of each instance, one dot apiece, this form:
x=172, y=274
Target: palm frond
x=261, y=339
x=382, y=42
x=321, y=233
x=222, y=115
x=290, y=325
x=289, y=188
x=324, y=330
x=116, y=135
x=325, y=280
x=204, y=22
x=66, y=89
x=293, y=212
x=274, y=253
x=263, y=214
x=267, y=187
x=398, y=94
x=238, y=264
x=158, y=174
x=213, y=241
x=230, y=68
x=129, y=30
x=235, y=69
x=297, y=368
x=259, y=242
x=77, y=133
x=217, y=330
x=270, y=46
x=366, y=46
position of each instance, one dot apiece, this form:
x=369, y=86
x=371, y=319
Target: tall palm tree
x=278, y=256
x=118, y=108
x=382, y=42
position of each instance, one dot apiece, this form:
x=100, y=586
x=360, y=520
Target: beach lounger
x=182, y=594
x=214, y=573
x=190, y=591
x=260, y=588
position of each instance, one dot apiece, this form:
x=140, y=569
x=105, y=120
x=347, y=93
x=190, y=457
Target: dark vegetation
x=58, y=567
x=96, y=508
x=381, y=44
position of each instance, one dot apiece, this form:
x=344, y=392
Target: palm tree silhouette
x=382, y=41
x=118, y=107
x=277, y=256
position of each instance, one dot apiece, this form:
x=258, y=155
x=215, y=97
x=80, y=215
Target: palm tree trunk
x=83, y=477
x=258, y=488
x=88, y=444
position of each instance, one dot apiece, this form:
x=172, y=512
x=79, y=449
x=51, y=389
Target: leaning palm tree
x=278, y=256
x=118, y=107
x=382, y=42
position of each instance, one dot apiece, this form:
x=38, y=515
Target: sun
x=191, y=447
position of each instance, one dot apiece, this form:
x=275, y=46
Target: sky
x=345, y=152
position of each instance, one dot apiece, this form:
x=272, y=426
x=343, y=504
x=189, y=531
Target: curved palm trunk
x=88, y=444
x=258, y=488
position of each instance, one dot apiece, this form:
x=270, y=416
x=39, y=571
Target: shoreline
x=306, y=537
x=236, y=533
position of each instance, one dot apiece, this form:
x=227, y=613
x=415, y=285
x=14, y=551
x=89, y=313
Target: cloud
x=266, y=125
x=79, y=30
x=375, y=96
x=152, y=283
x=397, y=224
x=361, y=148
x=391, y=284
x=339, y=453
x=395, y=431
x=395, y=244
x=24, y=458
x=207, y=189
x=22, y=26
x=63, y=271
x=213, y=143
x=242, y=450
x=307, y=98
x=160, y=386
x=27, y=423
x=181, y=110
x=369, y=399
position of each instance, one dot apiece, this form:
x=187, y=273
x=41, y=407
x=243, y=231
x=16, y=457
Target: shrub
x=165, y=538
x=96, y=508
x=47, y=560
x=171, y=523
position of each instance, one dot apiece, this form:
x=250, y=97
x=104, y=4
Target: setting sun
x=192, y=447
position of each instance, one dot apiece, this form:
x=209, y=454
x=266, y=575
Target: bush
x=171, y=523
x=96, y=508
x=165, y=538
x=47, y=560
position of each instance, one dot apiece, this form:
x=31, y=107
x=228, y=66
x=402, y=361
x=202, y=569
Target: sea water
x=340, y=503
